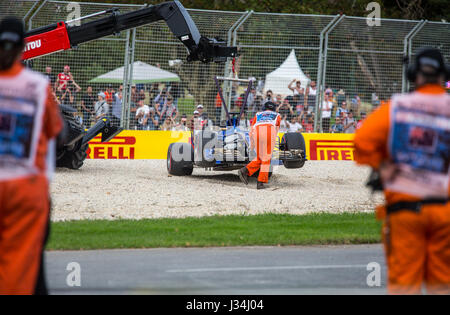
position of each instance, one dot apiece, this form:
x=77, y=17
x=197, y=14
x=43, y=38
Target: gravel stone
x=137, y=189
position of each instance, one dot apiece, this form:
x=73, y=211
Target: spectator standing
x=116, y=113
x=160, y=100
x=308, y=123
x=278, y=100
x=200, y=109
x=169, y=109
x=295, y=125
x=101, y=107
x=350, y=123
x=269, y=97
x=153, y=121
x=340, y=97
x=327, y=106
x=194, y=123
x=141, y=95
x=168, y=124
x=205, y=123
x=69, y=95
x=154, y=91
x=297, y=89
x=342, y=110
x=50, y=76
x=133, y=106
x=329, y=92
x=310, y=95
x=182, y=126
x=286, y=109
x=142, y=116
x=284, y=124
x=337, y=127
x=62, y=81
x=109, y=96
x=355, y=104
x=87, y=107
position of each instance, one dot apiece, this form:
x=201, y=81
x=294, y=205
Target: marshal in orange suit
x=407, y=141
x=265, y=126
x=29, y=118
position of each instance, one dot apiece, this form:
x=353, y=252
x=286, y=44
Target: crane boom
x=62, y=36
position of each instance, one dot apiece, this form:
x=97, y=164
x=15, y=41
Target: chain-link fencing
x=317, y=68
x=20, y=8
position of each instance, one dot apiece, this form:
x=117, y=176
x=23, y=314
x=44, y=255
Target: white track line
x=266, y=268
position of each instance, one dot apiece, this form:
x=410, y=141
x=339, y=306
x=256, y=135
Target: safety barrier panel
x=132, y=145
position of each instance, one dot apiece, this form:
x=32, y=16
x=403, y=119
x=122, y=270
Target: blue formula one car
x=229, y=148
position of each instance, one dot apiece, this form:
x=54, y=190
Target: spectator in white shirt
x=284, y=124
x=297, y=89
x=327, y=105
x=350, y=123
x=311, y=93
x=142, y=115
x=101, y=107
x=294, y=125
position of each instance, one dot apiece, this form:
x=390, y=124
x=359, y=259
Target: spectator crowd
x=155, y=108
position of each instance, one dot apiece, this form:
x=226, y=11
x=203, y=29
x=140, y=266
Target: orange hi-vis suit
x=265, y=126
x=408, y=142
x=29, y=118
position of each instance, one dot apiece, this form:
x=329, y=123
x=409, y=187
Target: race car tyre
x=293, y=141
x=73, y=159
x=183, y=167
x=294, y=164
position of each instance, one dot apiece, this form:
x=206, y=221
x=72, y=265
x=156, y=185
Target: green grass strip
x=232, y=230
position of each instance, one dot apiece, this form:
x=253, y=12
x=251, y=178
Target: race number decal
x=17, y=139
x=419, y=147
x=266, y=117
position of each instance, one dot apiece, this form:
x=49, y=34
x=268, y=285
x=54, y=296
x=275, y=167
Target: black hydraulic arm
x=173, y=13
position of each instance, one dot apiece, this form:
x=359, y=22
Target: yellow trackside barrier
x=329, y=146
x=131, y=144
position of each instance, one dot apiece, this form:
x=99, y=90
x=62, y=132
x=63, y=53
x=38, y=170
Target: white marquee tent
x=142, y=73
x=279, y=79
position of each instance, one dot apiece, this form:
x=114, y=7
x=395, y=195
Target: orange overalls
x=24, y=201
x=265, y=126
x=417, y=244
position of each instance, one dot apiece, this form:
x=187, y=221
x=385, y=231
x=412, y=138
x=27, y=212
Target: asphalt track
x=205, y=271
